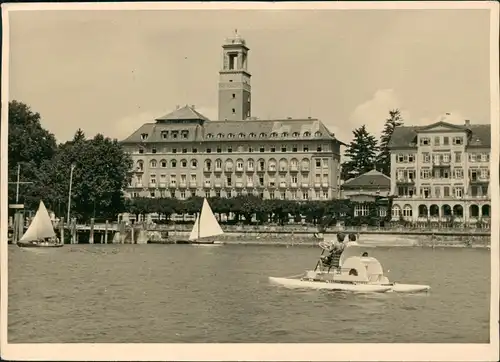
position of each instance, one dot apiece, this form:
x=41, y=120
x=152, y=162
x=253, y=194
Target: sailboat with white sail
x=205, y=227
x=40, y=233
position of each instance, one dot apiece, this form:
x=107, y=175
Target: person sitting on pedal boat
x=335, y=251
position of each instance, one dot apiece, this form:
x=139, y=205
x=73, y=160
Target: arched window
x=153, y=164
x=307, y=134
x=396, y=211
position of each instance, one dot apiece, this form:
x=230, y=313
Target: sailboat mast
x=199, y=220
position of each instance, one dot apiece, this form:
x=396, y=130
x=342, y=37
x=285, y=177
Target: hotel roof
x=370, y=180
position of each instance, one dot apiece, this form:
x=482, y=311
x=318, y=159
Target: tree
x=384, y=155
x=361, y=154
x=29, y=146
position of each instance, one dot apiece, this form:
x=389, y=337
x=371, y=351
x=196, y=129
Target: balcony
x=324, y=184
x=139, y=184
x=250, y=184
x=283, y=185
x=239, y=169
x=139, y=169
x=317, y=185
x=228, y=184
x=479, y=180
x=293, y=185
x=261, y=169
x=294, y=168
x=173, y=185
x=440, y=163
x=305, y=168
x=163, y=185
x=250, y=168
x=272, y=168
x=183, y=184
x=239, y=184
x=304, y=185
x=218, y=169
x=272, y=183
x=218, y=184
x=206, y=185
x=193, y=184
x=207, y=169
x=229, y=169
x=283, y=170
x=405, y=181
x=152, y=184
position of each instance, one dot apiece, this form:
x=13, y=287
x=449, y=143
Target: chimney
x=467, y=122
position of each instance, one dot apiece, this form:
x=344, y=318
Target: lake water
x=181, y=293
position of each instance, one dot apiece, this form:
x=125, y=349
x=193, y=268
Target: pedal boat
x=355, y=273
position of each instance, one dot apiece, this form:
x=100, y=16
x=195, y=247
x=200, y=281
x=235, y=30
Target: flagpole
x=69, y=193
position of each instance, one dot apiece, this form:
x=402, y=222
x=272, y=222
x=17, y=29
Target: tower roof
x=235, y=39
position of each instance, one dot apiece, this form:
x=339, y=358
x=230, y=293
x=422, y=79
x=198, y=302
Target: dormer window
x=458, y=140
x=284, y=134
x=220, y=135
x=252, y=135
x=295, y=134
x=141, y=150
x=241, y=135
x=317, y=134
x=274, y=135
x=307, y=134
x=164, y=134
x=144, y=136
x=262, y=135
x=184, y=134
x=230, y=135
x=175, y=134
x=425, y=141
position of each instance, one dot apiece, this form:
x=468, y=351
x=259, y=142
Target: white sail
x=40, y=227
x=206, y=225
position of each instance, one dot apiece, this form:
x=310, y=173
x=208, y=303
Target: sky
x=111, y=71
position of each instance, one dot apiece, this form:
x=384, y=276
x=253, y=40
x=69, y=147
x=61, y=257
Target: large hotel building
x=184, y=154
x=441, y=172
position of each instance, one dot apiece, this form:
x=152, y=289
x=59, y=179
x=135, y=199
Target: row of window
x=184, y=134
x=456, y=173
x=456, y=191
x=271, y=194
x=438, y=158
x=210, y=165
x=241, y=149
x=445, y=210
x=441, y=141
x=322, y=179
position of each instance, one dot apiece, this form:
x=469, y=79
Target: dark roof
x=200, y=128
x=370, y=180
x=185, y=113
x=406, y=136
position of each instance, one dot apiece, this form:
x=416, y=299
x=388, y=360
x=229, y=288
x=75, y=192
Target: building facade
x=185, y=154
x=441, y=173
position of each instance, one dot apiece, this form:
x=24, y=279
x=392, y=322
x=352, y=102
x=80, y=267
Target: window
x=458, y=157
x=163, y=163
x=437, y=140
x=272, y=149
x=153, y=150
x=305, y=149
x=401, y=158
x=207, y=194
x=485, y=173
x=219, y=150
x=173, y=181
x=218, y=164
x=295, y=134
x=446, y=141
x=141, y=150
x=230, y=135
x=252, y=135
x=174, y=150
x=184, y=150
x=220, y=135
x=193, y=177
x=305, y=195
x=446, y=191
x=425, y=141
x=209, y=150
x=283, y=148
x=485, y=157
x=294, y=148
x=262, y=135
x=241, y=135
x=233, y=110
x=425, y=173
x=437, y=191
x=172, y=194
x=458, y=140
x=318, y=148
x=183, y=163
x=144, y=136
x=234, y=95
x=318, y=163
x=411, y=158
x=230, y=149
x=183, y=194
x=209, y=135
x=293, y=194
x=261, y=149
x=407, y=211
x=458, y=173
x=153, y=164
x=164, y=134
x=396, y=211
x=152, y=179
x=361, y=210
x=458, y=192
x=194, y=164
x=294, y=179
x=472, y=157
x=175, y=134
x=307, y=134
x=173, y=163
x=194, y=150
x=446, y=158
